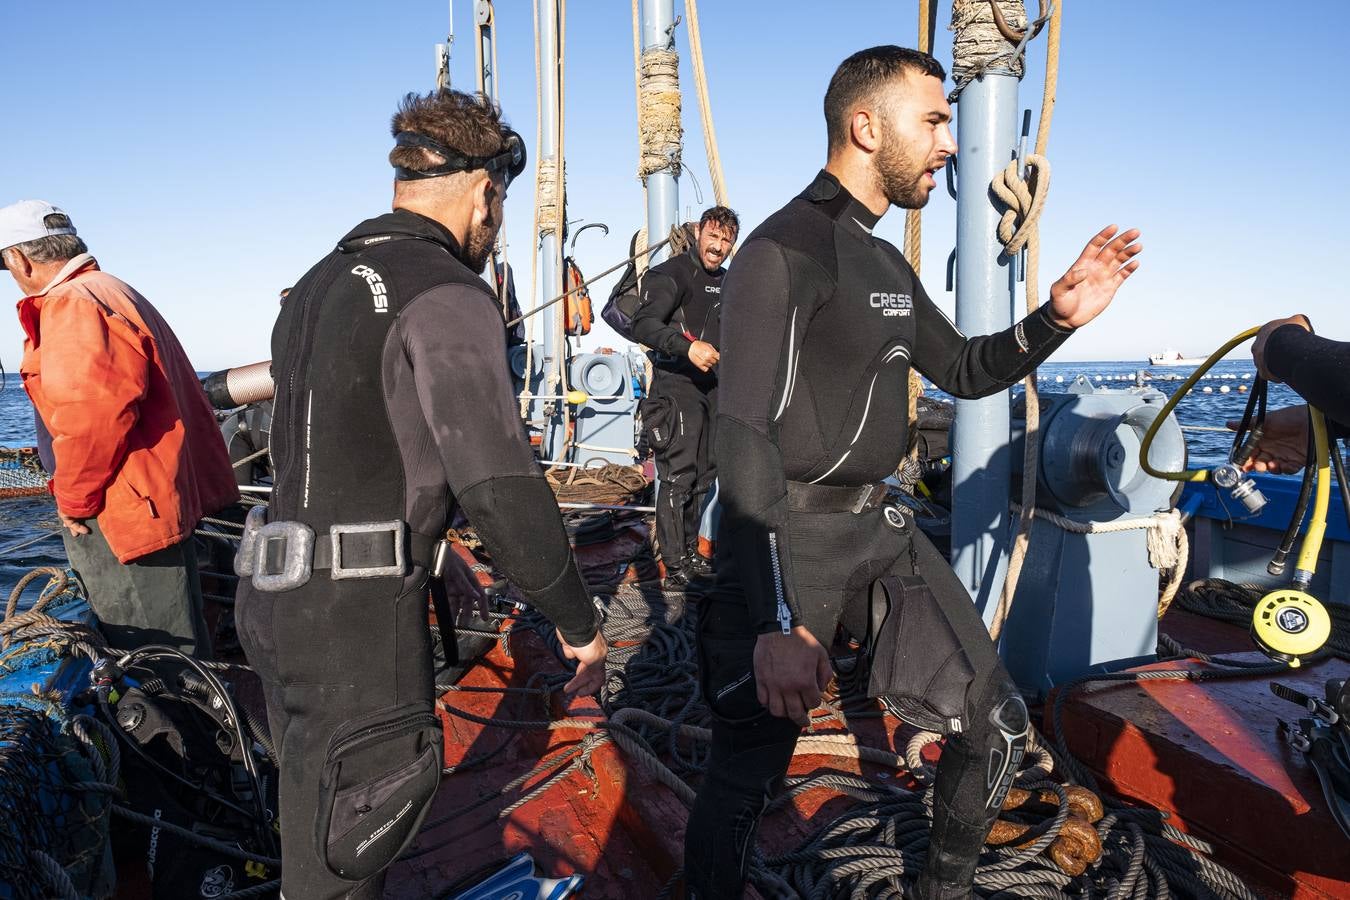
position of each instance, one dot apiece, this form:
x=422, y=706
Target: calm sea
x=28, y=526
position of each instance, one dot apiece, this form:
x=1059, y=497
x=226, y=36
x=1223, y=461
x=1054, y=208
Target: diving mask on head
x=510, y=162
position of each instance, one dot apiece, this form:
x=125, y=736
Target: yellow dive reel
x=1287, y=623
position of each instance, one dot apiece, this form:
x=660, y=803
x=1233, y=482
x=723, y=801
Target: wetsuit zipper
x=296, y=431
x=381, y=732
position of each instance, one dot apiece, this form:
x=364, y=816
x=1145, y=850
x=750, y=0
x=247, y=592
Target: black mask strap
x=510, y=162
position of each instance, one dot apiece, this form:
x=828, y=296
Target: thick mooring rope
x=719, y=182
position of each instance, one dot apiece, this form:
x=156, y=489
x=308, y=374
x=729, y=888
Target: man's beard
x=900, y=176
x=478, y=246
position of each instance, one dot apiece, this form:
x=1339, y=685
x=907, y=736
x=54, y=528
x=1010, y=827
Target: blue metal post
x=548, y=322
x=981, y=465
x=663, y=187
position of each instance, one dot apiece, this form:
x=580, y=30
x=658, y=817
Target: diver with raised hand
x=394, y=409
x=822, y=321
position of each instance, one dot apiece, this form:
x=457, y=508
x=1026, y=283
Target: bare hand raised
x=791, y=671
x=1092, y=281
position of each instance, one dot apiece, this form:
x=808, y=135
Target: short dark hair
x=724, y=216
x=859, y=77
x=469, y=123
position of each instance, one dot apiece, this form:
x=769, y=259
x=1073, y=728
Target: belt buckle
x=867, y=498
x=297, y=556
x=339, y=572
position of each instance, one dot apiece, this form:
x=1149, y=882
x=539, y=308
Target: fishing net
x=21, y=473
x=55, y=777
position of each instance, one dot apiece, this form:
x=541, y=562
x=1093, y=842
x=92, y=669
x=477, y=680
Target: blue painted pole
x=981, y=463
x=554, y=446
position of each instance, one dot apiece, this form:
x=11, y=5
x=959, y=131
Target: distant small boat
x=1170, y=357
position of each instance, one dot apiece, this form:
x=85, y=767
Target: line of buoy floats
x=1145, y=376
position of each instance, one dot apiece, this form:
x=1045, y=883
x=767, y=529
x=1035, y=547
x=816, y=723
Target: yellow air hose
x=1287, y=623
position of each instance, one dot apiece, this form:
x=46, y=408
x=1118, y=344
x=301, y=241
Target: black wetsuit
x=681, y=298
x=1317, y=368
x=394, y=405
x=823, y=321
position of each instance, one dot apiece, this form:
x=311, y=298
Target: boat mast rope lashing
x=659, y=130
x=980, y=45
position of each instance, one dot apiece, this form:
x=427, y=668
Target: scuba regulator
x=1288, y=623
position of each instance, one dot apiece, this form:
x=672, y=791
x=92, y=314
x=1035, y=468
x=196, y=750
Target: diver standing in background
x=394, y=409
x=823, y=321
x=679, y=320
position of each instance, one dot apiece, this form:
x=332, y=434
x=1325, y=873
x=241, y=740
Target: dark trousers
x=347, y=674
x=156, y=599
x=836, y=559
x=685, y=467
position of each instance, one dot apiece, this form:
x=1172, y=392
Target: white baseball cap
x=27, y=221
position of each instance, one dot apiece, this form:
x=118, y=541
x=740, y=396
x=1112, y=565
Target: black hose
x=1259, y=389
x=1277, y=564
x=160, y=651
x=1338, y=464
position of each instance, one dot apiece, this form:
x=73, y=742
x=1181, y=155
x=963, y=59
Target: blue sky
x=210, y=153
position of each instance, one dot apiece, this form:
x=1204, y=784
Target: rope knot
x=1024, y=199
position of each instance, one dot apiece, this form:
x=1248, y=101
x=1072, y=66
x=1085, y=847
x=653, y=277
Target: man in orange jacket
x=136, y=454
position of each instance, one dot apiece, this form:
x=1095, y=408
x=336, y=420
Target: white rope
x=630, y=451
x=719, y=183
x=1168, y=546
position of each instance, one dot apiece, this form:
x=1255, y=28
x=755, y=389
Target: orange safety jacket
x=135, y=440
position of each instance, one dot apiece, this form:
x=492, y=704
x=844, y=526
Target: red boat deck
x=1208, y=753
x=611, y=820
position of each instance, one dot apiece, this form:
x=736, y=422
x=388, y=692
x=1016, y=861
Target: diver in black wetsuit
x=394, y=408
x=679, y=320
x=822, y=322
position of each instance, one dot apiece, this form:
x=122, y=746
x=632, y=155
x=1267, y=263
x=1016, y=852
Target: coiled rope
x=657, y=717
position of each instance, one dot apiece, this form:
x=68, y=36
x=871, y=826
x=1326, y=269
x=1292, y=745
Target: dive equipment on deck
x=1324, y=738
x=1289, y=623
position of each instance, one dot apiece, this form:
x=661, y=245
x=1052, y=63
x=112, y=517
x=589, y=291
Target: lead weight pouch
x=368, y=812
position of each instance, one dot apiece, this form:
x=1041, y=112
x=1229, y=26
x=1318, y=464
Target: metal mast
x=981, y=461
x=550, y=91
x=663, y=186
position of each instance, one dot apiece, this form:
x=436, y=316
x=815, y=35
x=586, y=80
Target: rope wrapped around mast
x=659, y=129
x=550, y=181
x=979, y=45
